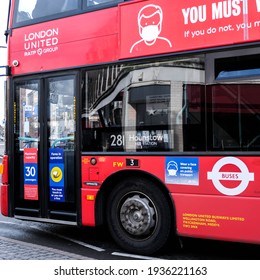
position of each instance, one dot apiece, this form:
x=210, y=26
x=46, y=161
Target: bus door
x=44, y=184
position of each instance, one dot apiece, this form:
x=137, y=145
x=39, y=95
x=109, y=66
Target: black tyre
x=139, y=216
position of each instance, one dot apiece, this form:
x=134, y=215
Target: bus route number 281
x=117, y=140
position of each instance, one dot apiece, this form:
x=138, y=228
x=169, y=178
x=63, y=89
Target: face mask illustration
x=172, y=168
x=150, y=33
x=150, y=19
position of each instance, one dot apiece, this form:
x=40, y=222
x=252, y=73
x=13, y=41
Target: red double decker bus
x=143, y=115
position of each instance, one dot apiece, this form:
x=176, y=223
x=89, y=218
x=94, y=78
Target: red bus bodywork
x=224, y=192
x=82, y=40
x=211, y=206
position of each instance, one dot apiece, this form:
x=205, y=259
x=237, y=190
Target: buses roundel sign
x=243, y=176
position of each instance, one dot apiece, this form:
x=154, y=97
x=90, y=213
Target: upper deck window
x=30, y=11
x=34, y=9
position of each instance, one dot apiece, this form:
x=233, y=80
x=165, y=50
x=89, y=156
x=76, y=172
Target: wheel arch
x=114, y=179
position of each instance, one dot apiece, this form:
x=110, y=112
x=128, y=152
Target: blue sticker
x=56, y=155
x=31, y=173
x=56, y=174
x=183, y=171
x=57, y=194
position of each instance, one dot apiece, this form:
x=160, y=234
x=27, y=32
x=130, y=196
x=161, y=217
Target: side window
x=146, y=107
x=235, y=116
x=49, y=7
x=34, y=9
x=148, y=112
x=27, y=11
x=193, y=117
x=90, y=3
x=102, y=110
x=233, y=100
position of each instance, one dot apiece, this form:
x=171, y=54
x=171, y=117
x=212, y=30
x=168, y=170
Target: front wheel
x=139, y=216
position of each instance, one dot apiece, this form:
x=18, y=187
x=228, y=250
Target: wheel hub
x=137, y=215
